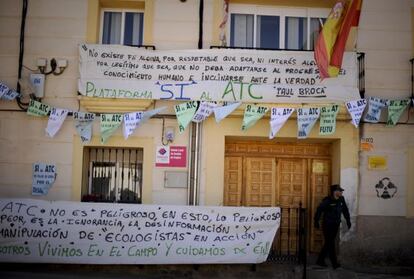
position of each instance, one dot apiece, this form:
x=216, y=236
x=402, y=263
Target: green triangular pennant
x=109, y=124
x=327, y=121
x=185, y=113
x=252, y=114
x=37, y=108
x=395, y=109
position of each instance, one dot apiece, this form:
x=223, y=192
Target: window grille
x=112, y=175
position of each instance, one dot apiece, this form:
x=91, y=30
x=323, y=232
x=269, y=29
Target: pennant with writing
x=10, y=95
x=278, y=117
x=131, y=122
x=185, y=113
x=204, y=110
x=356, y=109
x=221, y=112
x=56, y=118
x=109, y=124
x=44, y=175
x=327, y=123
x=252, y=114
x=307, y=118
x=395, y=109
x=3, y=89
x=37, y=108
x=375, y=105
x=83, y=124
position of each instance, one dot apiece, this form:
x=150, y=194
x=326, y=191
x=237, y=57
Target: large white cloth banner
x=96, y=233
x=252, y=76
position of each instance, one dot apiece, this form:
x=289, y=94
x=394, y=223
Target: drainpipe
x=195, y=136
x=194, y=164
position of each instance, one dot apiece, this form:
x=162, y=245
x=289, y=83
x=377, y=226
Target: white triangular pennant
x=204, y=110
x=131, y=122
x=56, y=118
x=307, y=118
x=278, y=117
x=83, y=124
x=356, y=109
x=375, y=105
x=221, y=112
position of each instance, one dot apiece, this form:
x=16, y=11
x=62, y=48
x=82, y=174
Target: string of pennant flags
x=198, y=111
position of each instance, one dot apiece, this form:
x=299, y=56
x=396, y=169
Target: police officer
x=331, y=207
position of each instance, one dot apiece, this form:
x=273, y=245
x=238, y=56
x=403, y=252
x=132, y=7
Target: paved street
x=200, y=272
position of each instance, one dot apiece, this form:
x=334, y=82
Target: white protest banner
x=252, y=114
x=278, y=117
x=252, y=76
x=131, y=122
x=356, y=109
x=110, y=233
x=185, y=113
x=44, y=176
x=204, y=110
x=327, y=122
x=375, y=105
x=83, y=124
x=307, y=118
x=56, y=118
x=221, y=112
x=109, y=124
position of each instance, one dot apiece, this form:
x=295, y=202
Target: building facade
x=225, y=166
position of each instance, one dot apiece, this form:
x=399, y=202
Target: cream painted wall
x=396, y=149
x=54, y=28
x=385, y=35
x=176, y=24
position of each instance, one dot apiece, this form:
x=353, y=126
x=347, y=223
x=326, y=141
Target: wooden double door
x=261, y=180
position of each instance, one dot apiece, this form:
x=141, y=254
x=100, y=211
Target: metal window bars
x=112, y=175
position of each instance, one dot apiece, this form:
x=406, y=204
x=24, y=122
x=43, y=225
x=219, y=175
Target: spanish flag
x=330, y=45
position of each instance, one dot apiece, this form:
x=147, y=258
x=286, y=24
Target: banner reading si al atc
x=113, y=71
x=97, y=233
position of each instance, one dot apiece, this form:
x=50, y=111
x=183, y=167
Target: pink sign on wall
x=171, y=156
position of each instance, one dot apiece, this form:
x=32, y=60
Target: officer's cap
x=336, y=187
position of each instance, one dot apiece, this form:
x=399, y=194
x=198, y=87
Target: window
x=122, y=27
x=276, y=28
x=112, y=175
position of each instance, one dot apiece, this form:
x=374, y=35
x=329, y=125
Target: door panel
x=233, y=178
x=291, y=192
x=253, y=180
x=260, y=182
x=320, y=181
